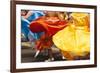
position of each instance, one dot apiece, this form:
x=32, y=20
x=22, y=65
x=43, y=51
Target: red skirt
x=49, y=25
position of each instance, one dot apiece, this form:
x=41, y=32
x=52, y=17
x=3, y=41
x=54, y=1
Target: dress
x=24, y=27
x=48, y=25
x=74, y=40
x=35, y=15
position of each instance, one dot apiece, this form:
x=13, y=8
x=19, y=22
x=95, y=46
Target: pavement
x=27, y=54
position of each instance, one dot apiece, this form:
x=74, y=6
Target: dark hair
x=26, y=11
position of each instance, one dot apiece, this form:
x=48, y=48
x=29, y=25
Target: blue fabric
x=24, y=27
x=35, y=15
x=25, y=23
x=26, y=31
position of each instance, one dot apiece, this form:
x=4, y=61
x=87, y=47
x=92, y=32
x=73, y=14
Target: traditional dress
x=74, y=40
x=25, y=25
x=49, y=25
x=35, y=15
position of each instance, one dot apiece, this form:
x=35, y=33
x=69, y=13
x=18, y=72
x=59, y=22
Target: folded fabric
x=74, y=40
x=24, y=27
x=50, y=25
x=34, y=15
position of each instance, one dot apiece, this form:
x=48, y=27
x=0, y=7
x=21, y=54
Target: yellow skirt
x=73, y=41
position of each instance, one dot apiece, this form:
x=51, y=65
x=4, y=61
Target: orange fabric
x=50, y=25
x=44, y=42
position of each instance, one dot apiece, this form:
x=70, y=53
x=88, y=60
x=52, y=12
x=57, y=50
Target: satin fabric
x=25, y=26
